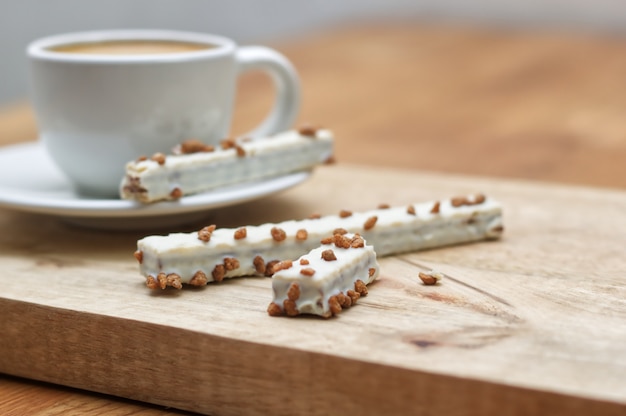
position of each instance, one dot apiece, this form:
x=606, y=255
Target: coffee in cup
x=131, y=47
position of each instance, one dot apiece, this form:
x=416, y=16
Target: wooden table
x=537, y=106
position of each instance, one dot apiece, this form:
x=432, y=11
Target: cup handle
x=286, y=81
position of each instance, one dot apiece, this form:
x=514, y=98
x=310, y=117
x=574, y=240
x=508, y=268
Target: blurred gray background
x=274, y=21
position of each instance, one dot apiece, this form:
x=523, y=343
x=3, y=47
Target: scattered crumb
x=431, y=277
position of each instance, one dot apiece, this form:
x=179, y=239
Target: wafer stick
x=326, y=280
x=198, y=168
x=213, y=254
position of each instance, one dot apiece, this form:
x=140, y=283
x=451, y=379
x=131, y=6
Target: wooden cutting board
x=532, y=324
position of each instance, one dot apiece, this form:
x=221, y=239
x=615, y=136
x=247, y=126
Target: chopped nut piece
x=344, y=301
x=329, y=255
x=304, y=262
x=241, y=152
x=141, y=158
x=241, y=233
x=341, y=241
x=430, y=278
x=228, y=144
x=496, y=229
x=357, y=241
x=278, y=234
x=290, y=307
x=294, y=292
x=411, y=210
x=370, y=222
x=315, y=216
x=458, y=201
x=302, y=234
x=340, y=231
x=334, y=305
x=269, y=267
x=282, y=265
x=162, y=279
x=371, y=271
x=384, y=206
x=344, y=213
x=151, y=282
x=360, y=287
x=159, y=158
x=176, y=193
x=259, y=264
x=307, y=271
x=194, y=146
x=173, y=280
x=435, y=208
x=354, y=296
x=139, y=256
x=327, y=240
x=231, y=263
x=479, y=199
x=308, y=130
x=218, y=273
x=274, y=309
x=199, y=279
x=205, y=233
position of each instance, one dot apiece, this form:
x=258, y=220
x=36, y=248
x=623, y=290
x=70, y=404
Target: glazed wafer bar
x=198, y=168
x=213, y=254
x=329, y=278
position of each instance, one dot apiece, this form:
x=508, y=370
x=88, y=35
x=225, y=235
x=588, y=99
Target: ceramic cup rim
x=41, y=48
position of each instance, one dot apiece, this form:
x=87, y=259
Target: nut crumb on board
x=431, y=277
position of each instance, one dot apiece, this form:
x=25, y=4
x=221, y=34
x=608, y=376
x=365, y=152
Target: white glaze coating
x=198, y=172
x=330, y=277
x=396, y=231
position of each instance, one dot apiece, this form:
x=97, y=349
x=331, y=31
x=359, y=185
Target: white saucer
x=29, y=181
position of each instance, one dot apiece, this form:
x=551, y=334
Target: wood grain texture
x=514, y=318
x=501, y=103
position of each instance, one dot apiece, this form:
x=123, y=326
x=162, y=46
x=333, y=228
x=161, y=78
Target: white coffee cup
x=100, y=108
